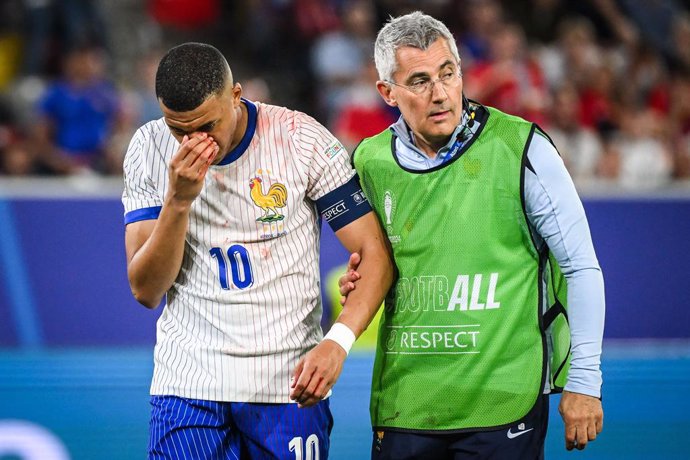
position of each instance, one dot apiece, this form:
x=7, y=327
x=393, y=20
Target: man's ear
x=385, y=91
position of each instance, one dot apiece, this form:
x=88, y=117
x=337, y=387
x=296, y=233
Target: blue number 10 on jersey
x=240, y=266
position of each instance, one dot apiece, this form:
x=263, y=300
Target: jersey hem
x=142, y=214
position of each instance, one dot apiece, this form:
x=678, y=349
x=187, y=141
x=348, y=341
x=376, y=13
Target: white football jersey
x=246, y=304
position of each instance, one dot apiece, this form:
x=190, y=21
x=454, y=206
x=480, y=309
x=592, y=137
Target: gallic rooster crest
x=275, y=198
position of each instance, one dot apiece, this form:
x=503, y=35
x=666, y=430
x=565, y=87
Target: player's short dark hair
x=188, y=74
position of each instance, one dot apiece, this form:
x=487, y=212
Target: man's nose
x=438, y=91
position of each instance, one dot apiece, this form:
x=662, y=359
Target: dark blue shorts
x=522, y=441
x=194, y=429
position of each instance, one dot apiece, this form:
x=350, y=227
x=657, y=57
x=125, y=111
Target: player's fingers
x=600, y=424
x=188, y=145
x=322, y=389
x=301, y=384
x=196, y=155
x=204, y=161
x=312, y=394
x=296, y=373
x=206, y=151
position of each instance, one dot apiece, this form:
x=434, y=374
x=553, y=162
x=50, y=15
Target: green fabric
x=460, y=343
x=558, y=331
x=367, y=340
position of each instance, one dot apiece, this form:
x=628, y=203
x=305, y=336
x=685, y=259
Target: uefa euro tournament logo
x=389, y=206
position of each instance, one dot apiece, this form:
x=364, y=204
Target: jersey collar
x=240, y=148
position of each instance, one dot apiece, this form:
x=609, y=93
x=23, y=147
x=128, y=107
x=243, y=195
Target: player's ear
x=236, y=93
x=385, y=90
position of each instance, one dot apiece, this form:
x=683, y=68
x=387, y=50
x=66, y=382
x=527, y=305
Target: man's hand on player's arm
x=583, y=416
x=346, y=283
x=155, y=248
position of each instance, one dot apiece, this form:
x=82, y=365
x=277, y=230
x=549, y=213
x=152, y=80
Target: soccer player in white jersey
x=223, y=203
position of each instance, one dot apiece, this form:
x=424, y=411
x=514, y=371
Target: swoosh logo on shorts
x=512, y=435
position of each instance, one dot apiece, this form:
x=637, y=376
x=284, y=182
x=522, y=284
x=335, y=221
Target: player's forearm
x=377, y=272
x=155, y=266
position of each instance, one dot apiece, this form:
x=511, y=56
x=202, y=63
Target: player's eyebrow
x=206, y=127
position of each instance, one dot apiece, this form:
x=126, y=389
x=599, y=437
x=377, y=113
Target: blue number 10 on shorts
x=194, y=429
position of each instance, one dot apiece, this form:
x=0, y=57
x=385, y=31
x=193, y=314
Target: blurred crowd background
x=608, y=79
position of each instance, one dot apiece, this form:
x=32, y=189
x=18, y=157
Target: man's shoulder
x=375, y=142
x=505, y=116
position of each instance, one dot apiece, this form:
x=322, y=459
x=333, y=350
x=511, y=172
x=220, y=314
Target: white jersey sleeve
x=144, y=162
x=325, y=159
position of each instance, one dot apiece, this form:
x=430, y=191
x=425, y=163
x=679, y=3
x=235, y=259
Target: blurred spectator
x=679, y=101
x=578, y=145
x=364, y=112
x=654, y=20
x=15, y=159
x=648, y=81
x=539, y=19
x=314, y=18
x=142, y=93
x=598, y=98
x=78, y=115
x=620, y=28
x=339, y=57
x=185, y=14
x=478, y=21
x=55, y=26
x=681, y=42
x=510, y=80
x=679, y=123
x=137, y=105
x=644, y=156
x=573, y=55
x=10, y=42
x=256, y=89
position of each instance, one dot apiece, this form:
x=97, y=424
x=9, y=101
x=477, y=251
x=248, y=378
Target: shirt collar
x=405, y=135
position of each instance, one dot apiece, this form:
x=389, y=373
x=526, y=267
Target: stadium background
x=75, y=348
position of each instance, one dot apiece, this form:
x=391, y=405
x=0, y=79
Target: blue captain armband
x=343, y=205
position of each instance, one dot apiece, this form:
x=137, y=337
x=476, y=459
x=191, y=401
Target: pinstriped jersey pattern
x=241, y=344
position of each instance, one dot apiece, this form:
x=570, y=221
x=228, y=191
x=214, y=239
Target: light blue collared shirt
x=556, y=217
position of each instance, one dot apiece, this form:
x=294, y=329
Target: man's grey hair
x=417, y=30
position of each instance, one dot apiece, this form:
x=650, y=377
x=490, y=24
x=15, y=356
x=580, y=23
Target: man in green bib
x=499, y=299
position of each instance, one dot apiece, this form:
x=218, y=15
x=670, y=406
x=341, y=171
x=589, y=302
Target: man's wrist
x=342, y=335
